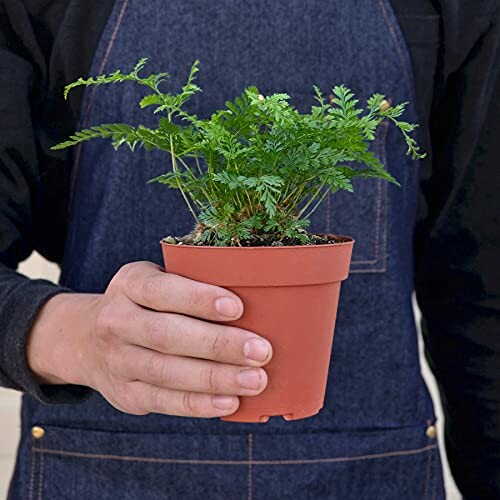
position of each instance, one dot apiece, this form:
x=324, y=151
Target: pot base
x=263, y=415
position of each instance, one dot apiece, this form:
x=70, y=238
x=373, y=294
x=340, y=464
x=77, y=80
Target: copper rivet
x=431, y=432
x=37, y=432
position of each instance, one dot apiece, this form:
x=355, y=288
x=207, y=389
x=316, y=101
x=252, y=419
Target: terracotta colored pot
x=290, y=296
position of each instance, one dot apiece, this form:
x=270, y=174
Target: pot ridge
x=261, y=266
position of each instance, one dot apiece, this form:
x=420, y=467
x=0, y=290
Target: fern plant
x=256, y=170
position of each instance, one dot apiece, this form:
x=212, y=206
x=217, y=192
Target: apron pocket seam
x=37, y=470
x=132, y=458
x=31, y=486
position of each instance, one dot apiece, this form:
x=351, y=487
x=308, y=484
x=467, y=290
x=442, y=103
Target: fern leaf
x=151, y=81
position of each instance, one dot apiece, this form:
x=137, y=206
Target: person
x=120, y=362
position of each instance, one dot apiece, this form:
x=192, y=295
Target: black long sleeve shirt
x=455, y=48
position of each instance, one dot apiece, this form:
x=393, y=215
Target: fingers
x=193, y=375
x=184, y=336
x=161, y=353
x=151, y=399
x=148, y=285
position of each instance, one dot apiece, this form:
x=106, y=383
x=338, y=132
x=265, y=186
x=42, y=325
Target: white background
x=36, y=267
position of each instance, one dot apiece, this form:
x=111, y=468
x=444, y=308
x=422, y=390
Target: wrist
x=56, y=344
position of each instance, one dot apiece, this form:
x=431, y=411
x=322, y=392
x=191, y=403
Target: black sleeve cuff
x=18, y=311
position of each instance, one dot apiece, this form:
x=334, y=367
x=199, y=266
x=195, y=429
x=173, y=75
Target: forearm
x=55, y=345
x=21, y=299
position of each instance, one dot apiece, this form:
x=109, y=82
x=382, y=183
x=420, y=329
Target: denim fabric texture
x=369, y=441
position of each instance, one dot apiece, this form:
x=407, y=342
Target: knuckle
x=158, y=332
x=217, y=343
x=127, y=270
x=189, y=403
x=149, y=288
x=161, y=332
x=159, y=399
x=123, y=274
x=197, y=296
x=209, y=379
x=158, y=369
x=154, y=288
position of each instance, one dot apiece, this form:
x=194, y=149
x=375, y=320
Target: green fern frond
x=258, y=167
x=113, y=131
x=152, y=81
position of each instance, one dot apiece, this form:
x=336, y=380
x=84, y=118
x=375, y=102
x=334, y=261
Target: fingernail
x=249, y=379
x=227, y=306
x=256, y=349
x=223, y=402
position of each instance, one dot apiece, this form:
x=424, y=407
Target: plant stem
x=174, y=168
x=199, y=203
x=311, y=200
x=316, y=205
x=198, y=165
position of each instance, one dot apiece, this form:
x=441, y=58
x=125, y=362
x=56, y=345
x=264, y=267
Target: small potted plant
x=251, y=175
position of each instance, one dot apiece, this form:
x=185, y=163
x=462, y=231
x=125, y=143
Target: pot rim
x=259, y=266
x=347, y=241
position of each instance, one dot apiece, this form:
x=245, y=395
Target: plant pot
x=290, y=295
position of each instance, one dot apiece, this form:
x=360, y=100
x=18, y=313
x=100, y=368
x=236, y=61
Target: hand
x=147, y=345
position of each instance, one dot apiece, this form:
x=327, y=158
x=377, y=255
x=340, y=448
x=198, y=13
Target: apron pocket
x=362, y=214
x=376, y=464
x=390, y=464
x=86, y=464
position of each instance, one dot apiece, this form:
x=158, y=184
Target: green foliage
x=152, y=81
x=257, y=167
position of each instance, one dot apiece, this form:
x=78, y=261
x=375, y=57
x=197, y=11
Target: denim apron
x=374, y=437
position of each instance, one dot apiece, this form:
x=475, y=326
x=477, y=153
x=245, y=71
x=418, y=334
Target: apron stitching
x=427, y=474
x=32, y=473
x=399, y=49
x=379, y=211
x=127, y=458
x=407, y=186
x=250, y=460
x=365, y=271
x=105, y=59
x=90, y=104
x=432, y=474
x=404, y=66
x=40, y=477
x=386, y=225
x=383, y=269
x=436, y=475
x=377, y=227
x=328, y=208
x=381, y=152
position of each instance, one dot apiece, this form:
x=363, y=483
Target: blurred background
x=37, y=267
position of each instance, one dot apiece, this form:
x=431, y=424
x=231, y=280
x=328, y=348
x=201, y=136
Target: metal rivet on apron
x=431, y=432
x=386, y=104
x=37, y=432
